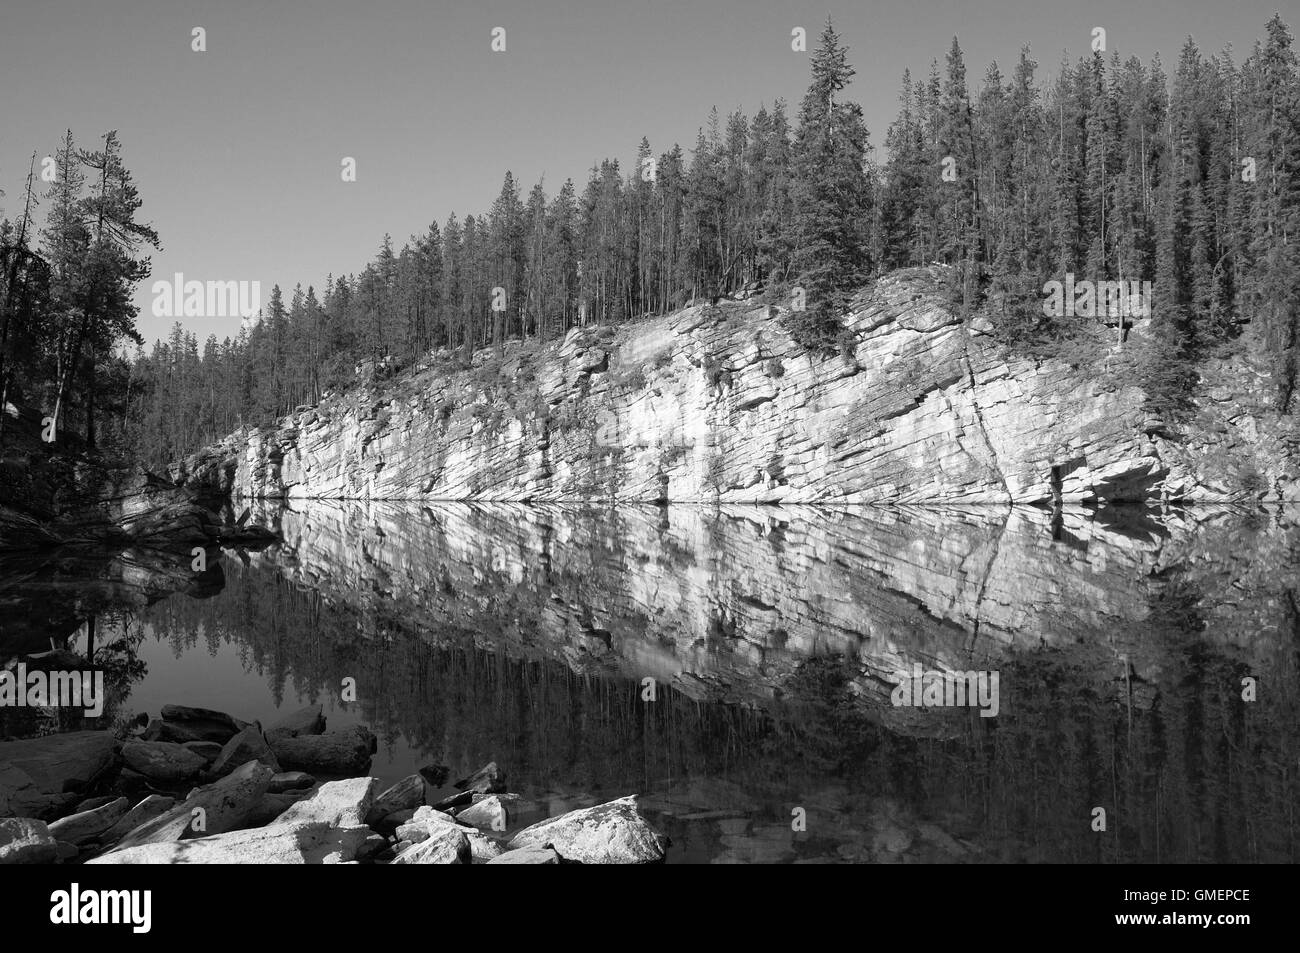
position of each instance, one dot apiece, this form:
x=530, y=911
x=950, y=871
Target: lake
x=737, y=667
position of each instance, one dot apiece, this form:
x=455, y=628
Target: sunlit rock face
x=728, y=604
x=721, y=405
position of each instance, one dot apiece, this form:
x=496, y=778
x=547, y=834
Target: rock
x=66, y=851
x=155, y=805
x=225, y=805
x=272, y=808
x=372, y=846
x=162, y=761
x=187, y=714
x=88, y=825
x=447, y=845
x=610, y=833
x=435, y=774
x=344, y=751
x=459, y=799
x=425, y=822
x=93, y=802
x=207, y=750
x=527, y=855
x=489, y=814
x=291, y=781
x=488, y=779
x=305, y=721
x=180, y=724
x=337, y=803
x=40, y=775
x=187, y=732
x=248, y=745
x=24, y=840
x=483, y=848
x=406, y=794
x=313, y=843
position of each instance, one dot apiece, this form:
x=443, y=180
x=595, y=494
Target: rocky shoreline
x=91, y=797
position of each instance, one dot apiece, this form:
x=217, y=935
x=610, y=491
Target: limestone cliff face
x=719, y=404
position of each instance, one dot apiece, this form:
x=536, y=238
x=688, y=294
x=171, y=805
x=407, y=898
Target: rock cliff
x=719, y=404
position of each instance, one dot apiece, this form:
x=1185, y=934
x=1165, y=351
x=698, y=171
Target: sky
x=238, y=150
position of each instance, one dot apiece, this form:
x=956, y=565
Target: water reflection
x=773, y=638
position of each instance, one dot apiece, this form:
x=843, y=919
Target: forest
x=1114, y=169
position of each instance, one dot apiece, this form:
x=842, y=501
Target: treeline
x=1113, y=171
x=66, y=289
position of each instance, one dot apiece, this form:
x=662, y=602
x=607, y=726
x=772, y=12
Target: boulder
x=182, y=723
x=155, y=805
x=435, y=774
x=271, y=808
x=182, y=733
x=488, y=814
x=305, y=721
x=337, y=803
x=344, y=751
x=447, y=845
x=423, y=823
x=248, y=745
x=313, y=843
x=483, y=848
x=162, y=761
x=187, y=714
x=208, y=750
x=488, y=779
x=24, y=840
x=38, y=776
x=225, y=805
x=406, y=794
x=610, y=833
x=89, y=825
x=291, y=781
x=459, y=799
x=527, y=855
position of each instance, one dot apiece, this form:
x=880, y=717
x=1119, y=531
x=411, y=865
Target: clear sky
x=237, y=150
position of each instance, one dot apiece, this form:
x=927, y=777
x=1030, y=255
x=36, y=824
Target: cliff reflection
x=774, y=637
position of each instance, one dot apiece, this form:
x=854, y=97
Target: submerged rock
x=610, y=833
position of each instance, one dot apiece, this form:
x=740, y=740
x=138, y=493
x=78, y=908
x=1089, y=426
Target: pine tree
x=832, y=198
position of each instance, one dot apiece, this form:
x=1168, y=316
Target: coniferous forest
x=1186, y=175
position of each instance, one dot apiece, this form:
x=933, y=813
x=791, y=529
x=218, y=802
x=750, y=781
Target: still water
x=735, y=666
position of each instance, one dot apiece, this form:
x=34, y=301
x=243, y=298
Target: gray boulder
x=162, y=761
x=88, y=825
x=24, y=840
x=448, y=845
x=248, y=745
x=610, y=833
x=313, y=843
x=344, y=751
